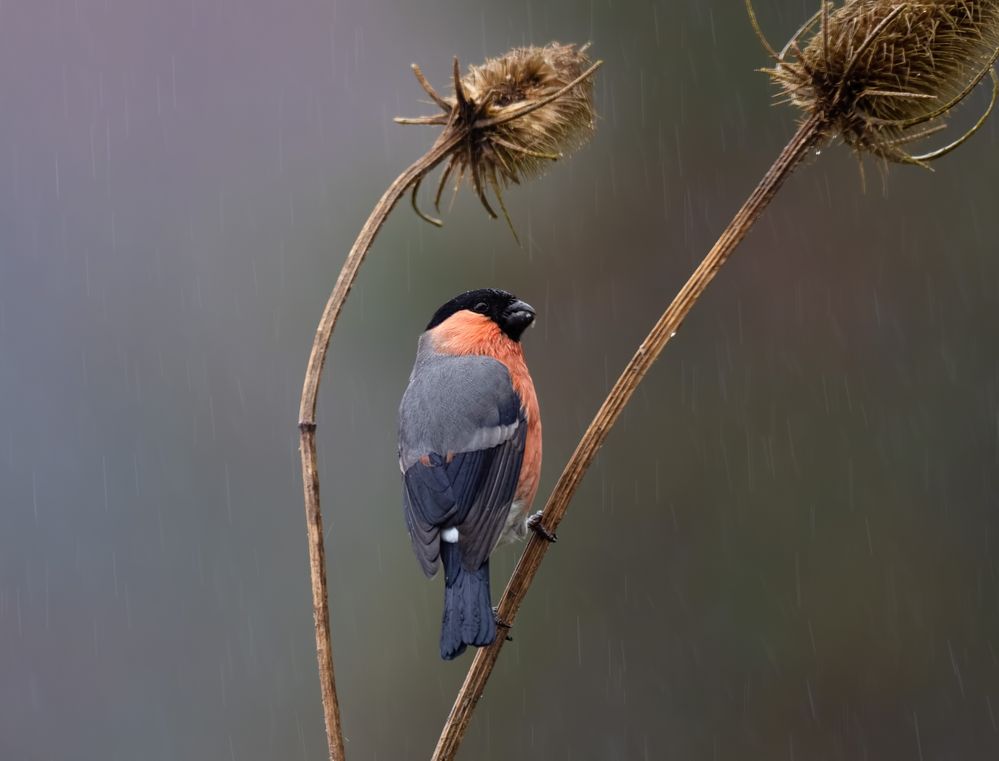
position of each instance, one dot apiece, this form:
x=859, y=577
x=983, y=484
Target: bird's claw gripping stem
x=501, y=623
x=534, y=523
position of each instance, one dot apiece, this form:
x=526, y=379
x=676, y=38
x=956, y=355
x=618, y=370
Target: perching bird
x=469, y=452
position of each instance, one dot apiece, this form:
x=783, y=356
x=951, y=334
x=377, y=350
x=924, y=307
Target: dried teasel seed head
x=883, y=74
x=515, y=115
x=524, y=147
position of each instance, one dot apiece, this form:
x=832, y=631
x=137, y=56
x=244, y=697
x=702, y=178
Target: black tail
x=468, y=612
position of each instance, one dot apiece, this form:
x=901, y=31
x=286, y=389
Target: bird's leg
x=501, y=623
x=534, y=523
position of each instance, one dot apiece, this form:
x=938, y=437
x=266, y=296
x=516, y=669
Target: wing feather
x=462, y=434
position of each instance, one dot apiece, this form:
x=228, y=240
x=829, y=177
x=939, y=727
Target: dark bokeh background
x=786, y=549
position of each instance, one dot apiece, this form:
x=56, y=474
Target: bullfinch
x=469, y=452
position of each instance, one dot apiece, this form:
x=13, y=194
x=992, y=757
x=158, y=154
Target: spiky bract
x=885, y=73
x=515, y=114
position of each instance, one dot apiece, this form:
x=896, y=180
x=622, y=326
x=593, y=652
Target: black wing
x=473, y=493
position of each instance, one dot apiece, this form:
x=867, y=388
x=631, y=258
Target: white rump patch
x=449, y=535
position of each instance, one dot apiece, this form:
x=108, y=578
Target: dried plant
x=872, y=73
x=515, y=114
x=504, y=120
x=885, y=74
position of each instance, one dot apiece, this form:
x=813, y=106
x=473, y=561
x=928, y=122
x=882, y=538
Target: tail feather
x=468, y=614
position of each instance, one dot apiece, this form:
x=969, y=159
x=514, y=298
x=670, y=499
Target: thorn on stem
x=429, y=89
x=459, y=88
x=416, y=207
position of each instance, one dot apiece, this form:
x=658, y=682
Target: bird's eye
x=481, y=307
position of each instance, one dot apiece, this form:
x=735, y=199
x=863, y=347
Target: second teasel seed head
x=884, y=74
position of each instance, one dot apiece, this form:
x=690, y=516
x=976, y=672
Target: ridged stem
x=307, y=426
x=809, y=134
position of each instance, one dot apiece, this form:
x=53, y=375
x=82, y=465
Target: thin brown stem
x=436, y=121
x=525, y=151
x=808, y=135
x=459, y=88
x=797, y=35
x=443, y=181
x=759, y=31
x=429, y=88
x=307, y=425
x=941, y=152
x=416, y=205
x=825, y=33
x=498, y=192
x=975, y=81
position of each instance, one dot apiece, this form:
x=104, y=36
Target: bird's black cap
x=506, y=310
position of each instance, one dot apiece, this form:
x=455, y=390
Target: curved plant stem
x=809, y=134
x=307, y=425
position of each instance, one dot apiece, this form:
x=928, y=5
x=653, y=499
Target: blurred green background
x=785, y=551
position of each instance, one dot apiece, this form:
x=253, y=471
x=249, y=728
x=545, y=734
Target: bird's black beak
x=517, y=318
